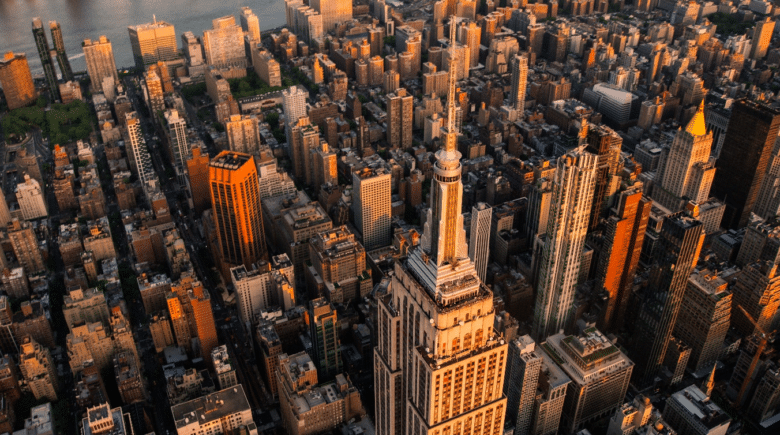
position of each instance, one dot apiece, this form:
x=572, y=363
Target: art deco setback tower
x=439, y=367
x=681, y=239
x=742, y=164
x=42, y=43
x=567, y=225
x=99, y=56
x=605, y=143
x=59, y=47
x=688, y=170
x=16, y=80
x=235, y=197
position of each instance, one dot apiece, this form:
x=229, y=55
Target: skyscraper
x=243, y=134
x=757, y=291
x=688, y=169
x=59, y=47
x=305, y=138
x=333, y=12
x=153, y=42
x=469, y=35
x=198, y=175
x=17, y=81
x=235, y=198
x=203, y=318
x=177, y=139
x=294, y=105
x=224, y=44
x=371, y=198
x=400, y=116
x=250, y=24
x=325, y=329
x=605, y=143
x=42, y=43
x=519, y=78
x=623, y=237
x=435, y=327
x=137, y=153
x=572, y=197
x=522, y=377
x=762, y=36
x=681, y=241
x=99, y=56
x=741, y=167
x=479, y=240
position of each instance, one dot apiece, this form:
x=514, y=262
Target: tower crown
x=696, y=126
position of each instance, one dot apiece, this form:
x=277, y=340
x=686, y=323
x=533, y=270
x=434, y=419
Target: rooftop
x=211, y=407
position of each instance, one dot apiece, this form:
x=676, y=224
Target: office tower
x=757, y=291
x=768, y=200
x=294, y=105
x=550, y=396
x=99, y=56
x=324, y=165
x=631, y=416
x=259, y=287
x=203, y=318
x=325, y=328
x=198, y=176
x=624, y=233
x=84, y=306
x=519, y=78
x=154, y=95
x=31, y=199
x=605, y=143
x=305, y=139
x=228, y=410
x=25, y=246
x=235, y=199
x=400, y=117
x=177, y=140
x=741, y=167
x=371, y=206
x=243, y=134
x=691, y=412
x=224, y=44
x=333, y=12
x=437, y=323
x=761, y=241
x=570, y=205
x=38, y=371
x=479, y=240
x=650, y=113
x=179, y=321
x=524, y=364
x=762, y=36
x=153, y=42
x=763, y=405
x=688, y=169
x=49, y=72
x=338, y=263
x=138, y=154
x=17, y=81
x=705, y=317
x=59, y=47
x=193, y=53
x=469, y=34
x=681, y=241
x=250, y=24
x=296, y=379
x=599, y=371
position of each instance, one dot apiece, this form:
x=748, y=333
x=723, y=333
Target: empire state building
x=439, y=366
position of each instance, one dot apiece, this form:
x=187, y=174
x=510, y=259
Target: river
x=82, y=19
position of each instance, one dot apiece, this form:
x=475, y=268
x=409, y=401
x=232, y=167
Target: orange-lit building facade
x=624, y=234
x=235, y=198
x=16, y=80
x=198, y=173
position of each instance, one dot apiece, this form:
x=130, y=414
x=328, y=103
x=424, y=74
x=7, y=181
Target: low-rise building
x=222, y=412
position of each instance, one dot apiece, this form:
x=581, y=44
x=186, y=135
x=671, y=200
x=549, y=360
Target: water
x=82, y=19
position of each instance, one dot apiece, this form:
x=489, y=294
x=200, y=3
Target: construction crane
x=759, y=351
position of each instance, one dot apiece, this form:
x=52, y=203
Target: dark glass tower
x=681, y=241
x=742, y=163
x=48, y=64
x=59, y=47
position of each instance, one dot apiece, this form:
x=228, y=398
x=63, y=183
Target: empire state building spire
x=442, y=263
